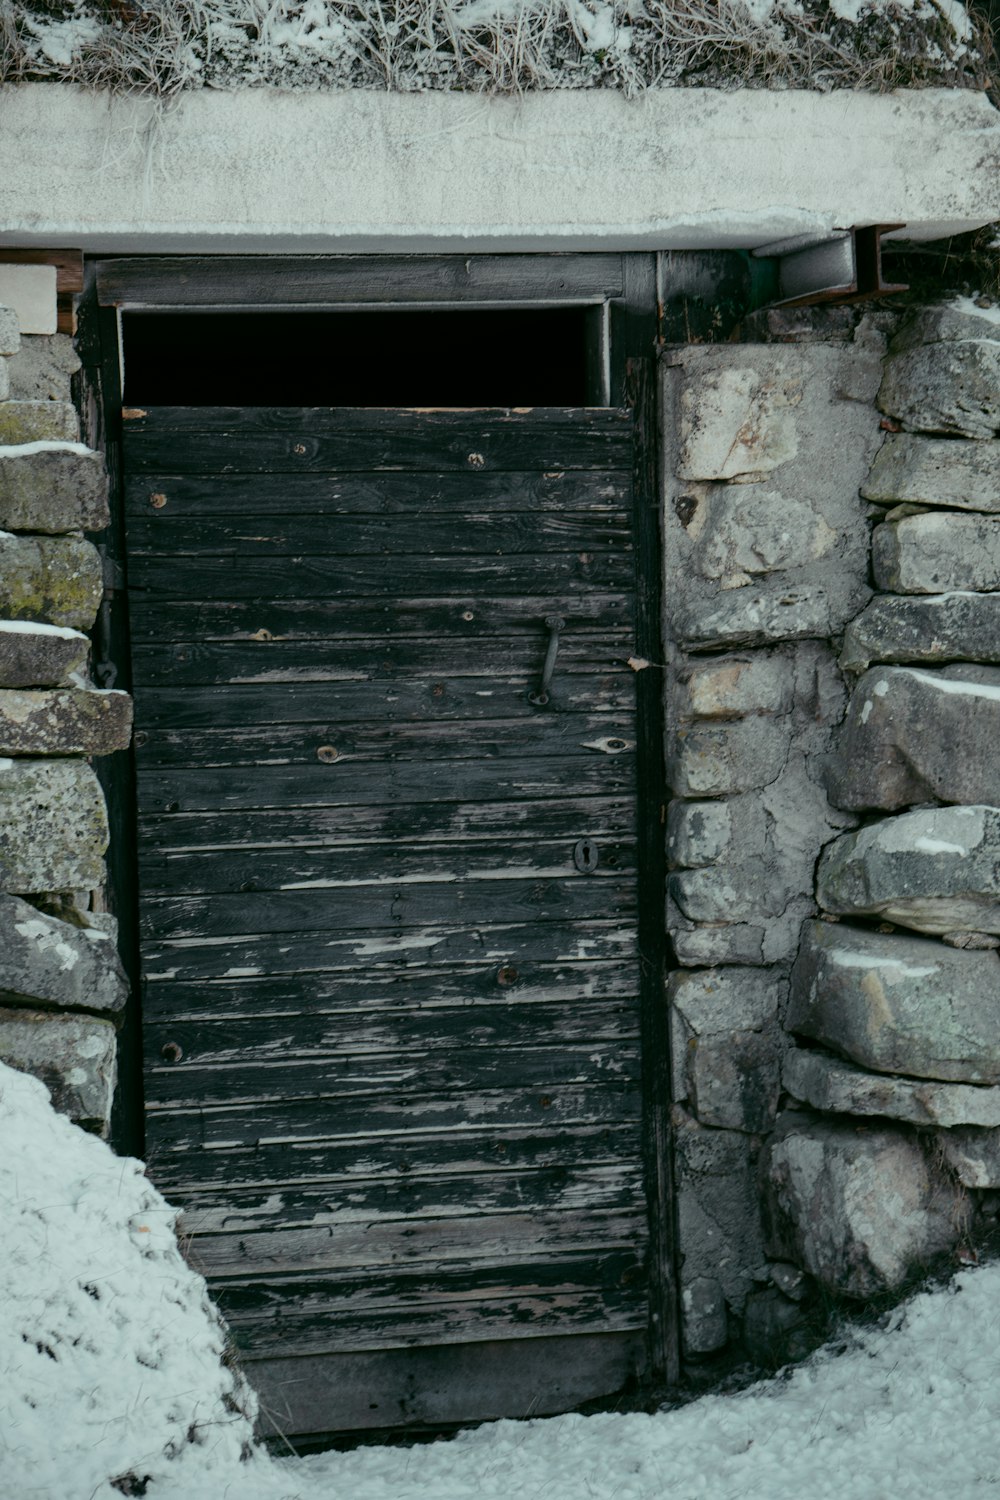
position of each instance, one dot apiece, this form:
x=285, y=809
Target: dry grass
x=160, y=47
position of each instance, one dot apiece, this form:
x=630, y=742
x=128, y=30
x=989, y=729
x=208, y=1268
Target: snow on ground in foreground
x=109, y=1366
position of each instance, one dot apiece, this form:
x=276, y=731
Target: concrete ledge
x=262, y=170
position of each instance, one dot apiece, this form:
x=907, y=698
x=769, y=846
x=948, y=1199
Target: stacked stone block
x=767, y=545
x=62, y=988
x=893, y=1136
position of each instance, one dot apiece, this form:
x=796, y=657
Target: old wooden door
x=389, y=897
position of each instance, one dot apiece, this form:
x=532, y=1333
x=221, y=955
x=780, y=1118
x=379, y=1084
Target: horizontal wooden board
x=386, y=909
x=488, y=1239
x=378, y=536
x=443, y=1385
x=451, y=699
x=197, y=663
x=462, y=1069
x=337, y=439
x=310, y=1035
x=342, y=1325
x=500, y=944
x=330, y=870
x=352, y=783
x=330, y=739
x=256, y=282
x=409, y=1154
x=171, y=1128
x=572, y=1189
x=318, y=575
x=458, y=616
x=336, y=827
x=170, y=496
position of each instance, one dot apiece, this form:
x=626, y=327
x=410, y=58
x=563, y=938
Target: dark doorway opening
x=534, y=357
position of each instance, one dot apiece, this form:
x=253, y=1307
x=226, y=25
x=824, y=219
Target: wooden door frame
x=622, y=290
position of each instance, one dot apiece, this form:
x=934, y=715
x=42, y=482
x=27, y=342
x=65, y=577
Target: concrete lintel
x=262, y=170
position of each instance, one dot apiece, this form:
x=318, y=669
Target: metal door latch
x=554, y=623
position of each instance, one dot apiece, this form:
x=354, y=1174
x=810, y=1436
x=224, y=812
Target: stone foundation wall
x=62, y=988
x=835, y=1012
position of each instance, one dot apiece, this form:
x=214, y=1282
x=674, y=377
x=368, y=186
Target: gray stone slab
x=936, y=551
x=73, y=1055
x=859, y=1206
x=973, y=1155
x=10, y=333
x=38, y=421
x=761, y=682
x=947, y=323
x=64, y=721
x=935, y=471
x=704, y=1320
x=47, y=962
x=714, y=942
x=39, y=655
x=53, y=826
x=949, y=387
x=935, y=870
x=51, y=580
x=898, y=1004
x=728, y=1043
x=706, y=760
x=698, y=833
x=766, y=534
x=837, y=1087
x=43, y=368
x=933, y=628
x=720, y=1235
x=53, y=488
x=914, y=736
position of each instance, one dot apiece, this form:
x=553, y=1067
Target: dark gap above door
x=543, y=357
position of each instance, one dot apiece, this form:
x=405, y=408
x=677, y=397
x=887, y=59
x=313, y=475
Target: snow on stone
x=113, y=1382
x=25, y=450
x=110, y=1350
x=29, y=627
x=972, y=309
x=938, y=846
x=949, y=685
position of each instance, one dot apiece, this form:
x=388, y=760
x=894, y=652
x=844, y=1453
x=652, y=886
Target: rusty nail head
x=171, y=1052
x=299, y=448
x=507, y=974
x=476, y=460
x=327, y=753
x=157, y=500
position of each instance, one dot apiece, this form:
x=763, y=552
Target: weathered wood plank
x=337, y=827
x=444, y=1385
x=461, y=616
x=256, y=282
x=309, y=1035
x=196, y=663
x=184, y=496
x=448, y=699
x=358, y=536
x=409, y=1154
x=291, y=869
x=462, y=1069
x=325, y=439
x=344, y=1326
x=386, y=908
x=170, y=1128
x=344, y=782
x=323, y=576
x=576, y=1190
x=271, y=953
x=487, y=1239
x=300, y=744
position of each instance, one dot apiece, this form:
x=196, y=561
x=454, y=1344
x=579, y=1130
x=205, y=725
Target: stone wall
x=835, y=1011
x=62, y=988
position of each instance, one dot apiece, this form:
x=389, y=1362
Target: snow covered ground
x=112, y=1383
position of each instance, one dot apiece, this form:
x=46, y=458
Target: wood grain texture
x=392, y=1030
x=344, y=280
